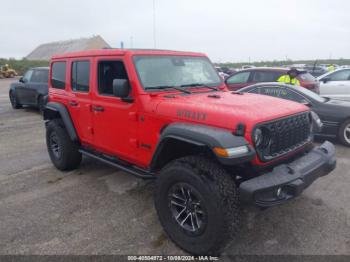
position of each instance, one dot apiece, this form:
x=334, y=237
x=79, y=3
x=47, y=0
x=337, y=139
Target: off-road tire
x=68, y=156
x=342, y=133
x=219, y=197
x=13, y=100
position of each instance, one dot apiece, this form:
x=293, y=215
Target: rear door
x=79, y=100
x=337, y=86
x=238, y=80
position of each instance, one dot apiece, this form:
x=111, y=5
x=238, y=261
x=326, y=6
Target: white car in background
x=336, y=84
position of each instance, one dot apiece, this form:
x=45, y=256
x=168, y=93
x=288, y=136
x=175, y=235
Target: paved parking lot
x=100, y=210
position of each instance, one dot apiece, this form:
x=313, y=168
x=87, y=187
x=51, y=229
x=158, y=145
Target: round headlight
x=258, y=137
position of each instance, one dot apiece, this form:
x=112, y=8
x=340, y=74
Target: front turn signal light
x=230, y=152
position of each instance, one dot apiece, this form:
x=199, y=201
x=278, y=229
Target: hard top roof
x=122, y=52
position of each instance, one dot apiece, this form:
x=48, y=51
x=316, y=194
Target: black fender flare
x=204, y=136
x=57, y=110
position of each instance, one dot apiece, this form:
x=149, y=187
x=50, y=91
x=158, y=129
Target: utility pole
x=154, y=24
x=131, y=42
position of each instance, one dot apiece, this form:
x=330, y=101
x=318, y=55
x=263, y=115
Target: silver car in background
x=336, y=84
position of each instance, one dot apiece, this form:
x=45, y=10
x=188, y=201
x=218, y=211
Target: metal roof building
x=45, y=51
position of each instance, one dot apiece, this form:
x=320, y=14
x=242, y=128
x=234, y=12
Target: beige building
x=45, y=51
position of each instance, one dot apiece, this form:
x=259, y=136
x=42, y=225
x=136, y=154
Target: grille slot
x=286, y=134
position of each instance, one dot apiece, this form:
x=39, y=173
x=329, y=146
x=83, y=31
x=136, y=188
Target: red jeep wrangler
x=168, y=115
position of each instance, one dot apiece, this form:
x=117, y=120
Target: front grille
x=285, y=135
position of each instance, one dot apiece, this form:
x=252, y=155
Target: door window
x=40, y=76
x=27, y=76
x=343, y=75
x=107, y=72
x=264, y=76
x=80, y=78
x=58, y=75
x=239, y=78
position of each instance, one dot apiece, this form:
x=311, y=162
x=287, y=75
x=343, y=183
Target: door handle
x=73, y=103
x=98, y=108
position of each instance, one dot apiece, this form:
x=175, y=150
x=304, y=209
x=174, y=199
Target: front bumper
x=287, y=181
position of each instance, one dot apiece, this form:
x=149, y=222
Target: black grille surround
x=286, y=135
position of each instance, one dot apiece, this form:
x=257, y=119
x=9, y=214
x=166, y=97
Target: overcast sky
x=225, y=30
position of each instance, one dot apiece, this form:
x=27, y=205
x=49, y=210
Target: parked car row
x=255, y=75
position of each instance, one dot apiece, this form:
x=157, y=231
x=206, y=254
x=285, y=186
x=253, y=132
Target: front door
x=114, y=120
x=24, y=91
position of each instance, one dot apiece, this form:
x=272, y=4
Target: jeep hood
x=227, y=109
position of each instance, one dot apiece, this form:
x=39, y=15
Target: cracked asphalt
x=100, y=210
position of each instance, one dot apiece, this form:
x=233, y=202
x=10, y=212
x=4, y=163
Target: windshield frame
x=134, y=57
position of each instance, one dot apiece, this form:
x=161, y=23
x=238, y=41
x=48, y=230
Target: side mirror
x=21, y=80
x=121, y=88
x=326, y=79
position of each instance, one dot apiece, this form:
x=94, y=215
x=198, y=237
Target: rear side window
x=40, y=76
x=58, y=79
x=306, y=77
x=239, y=78
x=264, y=76
x=80, y=76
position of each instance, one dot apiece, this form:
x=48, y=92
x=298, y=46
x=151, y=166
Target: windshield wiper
x=168, y=87
x=200, y=85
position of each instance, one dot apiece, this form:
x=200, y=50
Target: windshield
x=175, y=71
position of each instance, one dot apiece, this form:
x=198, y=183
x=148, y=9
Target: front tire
x=13, y=100
x=64, y=153
x=197, y=205
x=344, y=133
